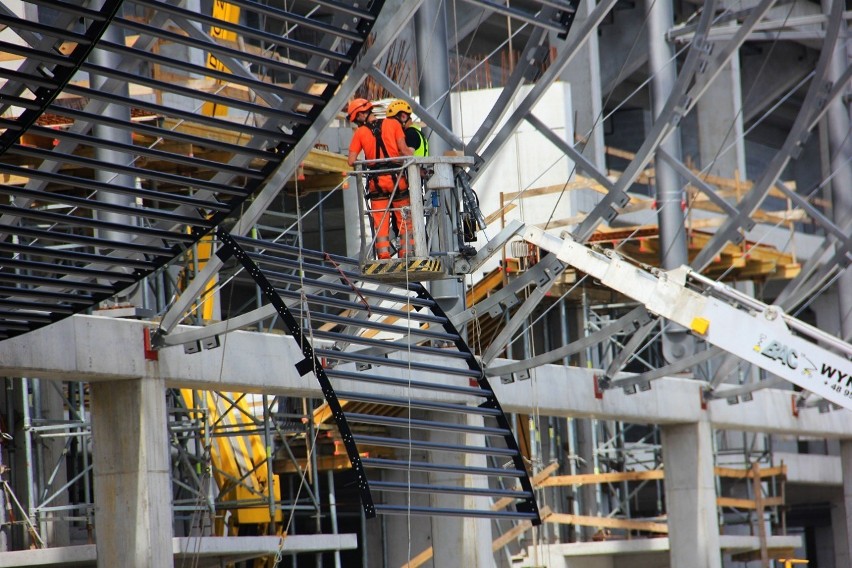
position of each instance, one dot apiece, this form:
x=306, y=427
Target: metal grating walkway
x=364, y=340
x=127, y=132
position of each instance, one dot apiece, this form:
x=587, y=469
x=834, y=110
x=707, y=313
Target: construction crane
x=760, y=334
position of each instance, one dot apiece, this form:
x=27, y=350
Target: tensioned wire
x=306, y=314
x=537, y=412
x=306, y=324
x=196, y=556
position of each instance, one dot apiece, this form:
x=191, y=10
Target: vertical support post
x=456, y=542
x=691, y=496
x=430, y=23
x=721, y=143
x=837, y=122
x=842, y=533
x=4, y=518
x=111, y=61
x=663, y=71
x=270, y=473
x=677, y=343
x=353, y=218
x=584, y=74
x=840, y=146
x=332, y=511
x=28, y=449
x=460, y=541
x=759, y=513
x=132, y=480
x=418, y=223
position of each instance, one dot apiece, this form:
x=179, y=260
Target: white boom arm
x=755, y=332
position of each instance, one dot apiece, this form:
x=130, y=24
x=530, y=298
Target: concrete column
x=405, y=537
x=721, y=145
x=584, y=74
x=588, y=491
x=132, y=485
x=455, y=541
x=841, y=521
x=460, y=541
x=691, y=496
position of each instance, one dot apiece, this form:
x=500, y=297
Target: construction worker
x=387, y=192
x=414, y=138
x=402, y=111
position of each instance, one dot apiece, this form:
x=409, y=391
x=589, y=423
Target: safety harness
x=372, y=179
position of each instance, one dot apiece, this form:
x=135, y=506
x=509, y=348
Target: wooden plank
x=749, y=504
x=323, y=413
x=324, y=463
x=313, y=182
x=499, y=213
x=487, y=284
x=556, y=223
x=496, y=544
x=326, y=161
x=516, y=531
x=735, y=503
x=10, y=179
x=613, y=477
x=754, y=555
x=609, y=523
x=579, y=183
x=328, y=326
x=536, y=482
x=420, y=559
x=747, y=473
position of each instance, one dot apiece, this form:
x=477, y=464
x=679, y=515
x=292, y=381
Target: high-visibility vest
x=423, y=149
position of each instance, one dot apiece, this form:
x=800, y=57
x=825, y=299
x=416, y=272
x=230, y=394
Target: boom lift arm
x=758, y=333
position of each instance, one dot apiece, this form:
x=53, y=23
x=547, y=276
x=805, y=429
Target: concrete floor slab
x=203, y=551
x=729, y=544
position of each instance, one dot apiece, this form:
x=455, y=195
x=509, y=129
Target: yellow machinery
x=239, y=457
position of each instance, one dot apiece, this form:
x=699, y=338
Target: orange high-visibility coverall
x=380, y=188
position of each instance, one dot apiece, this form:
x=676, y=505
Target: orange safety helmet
x=356, y=106
x=398, y=106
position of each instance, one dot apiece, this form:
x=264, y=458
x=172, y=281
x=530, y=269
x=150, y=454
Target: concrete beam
x=94, y=348
x=811, y=469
